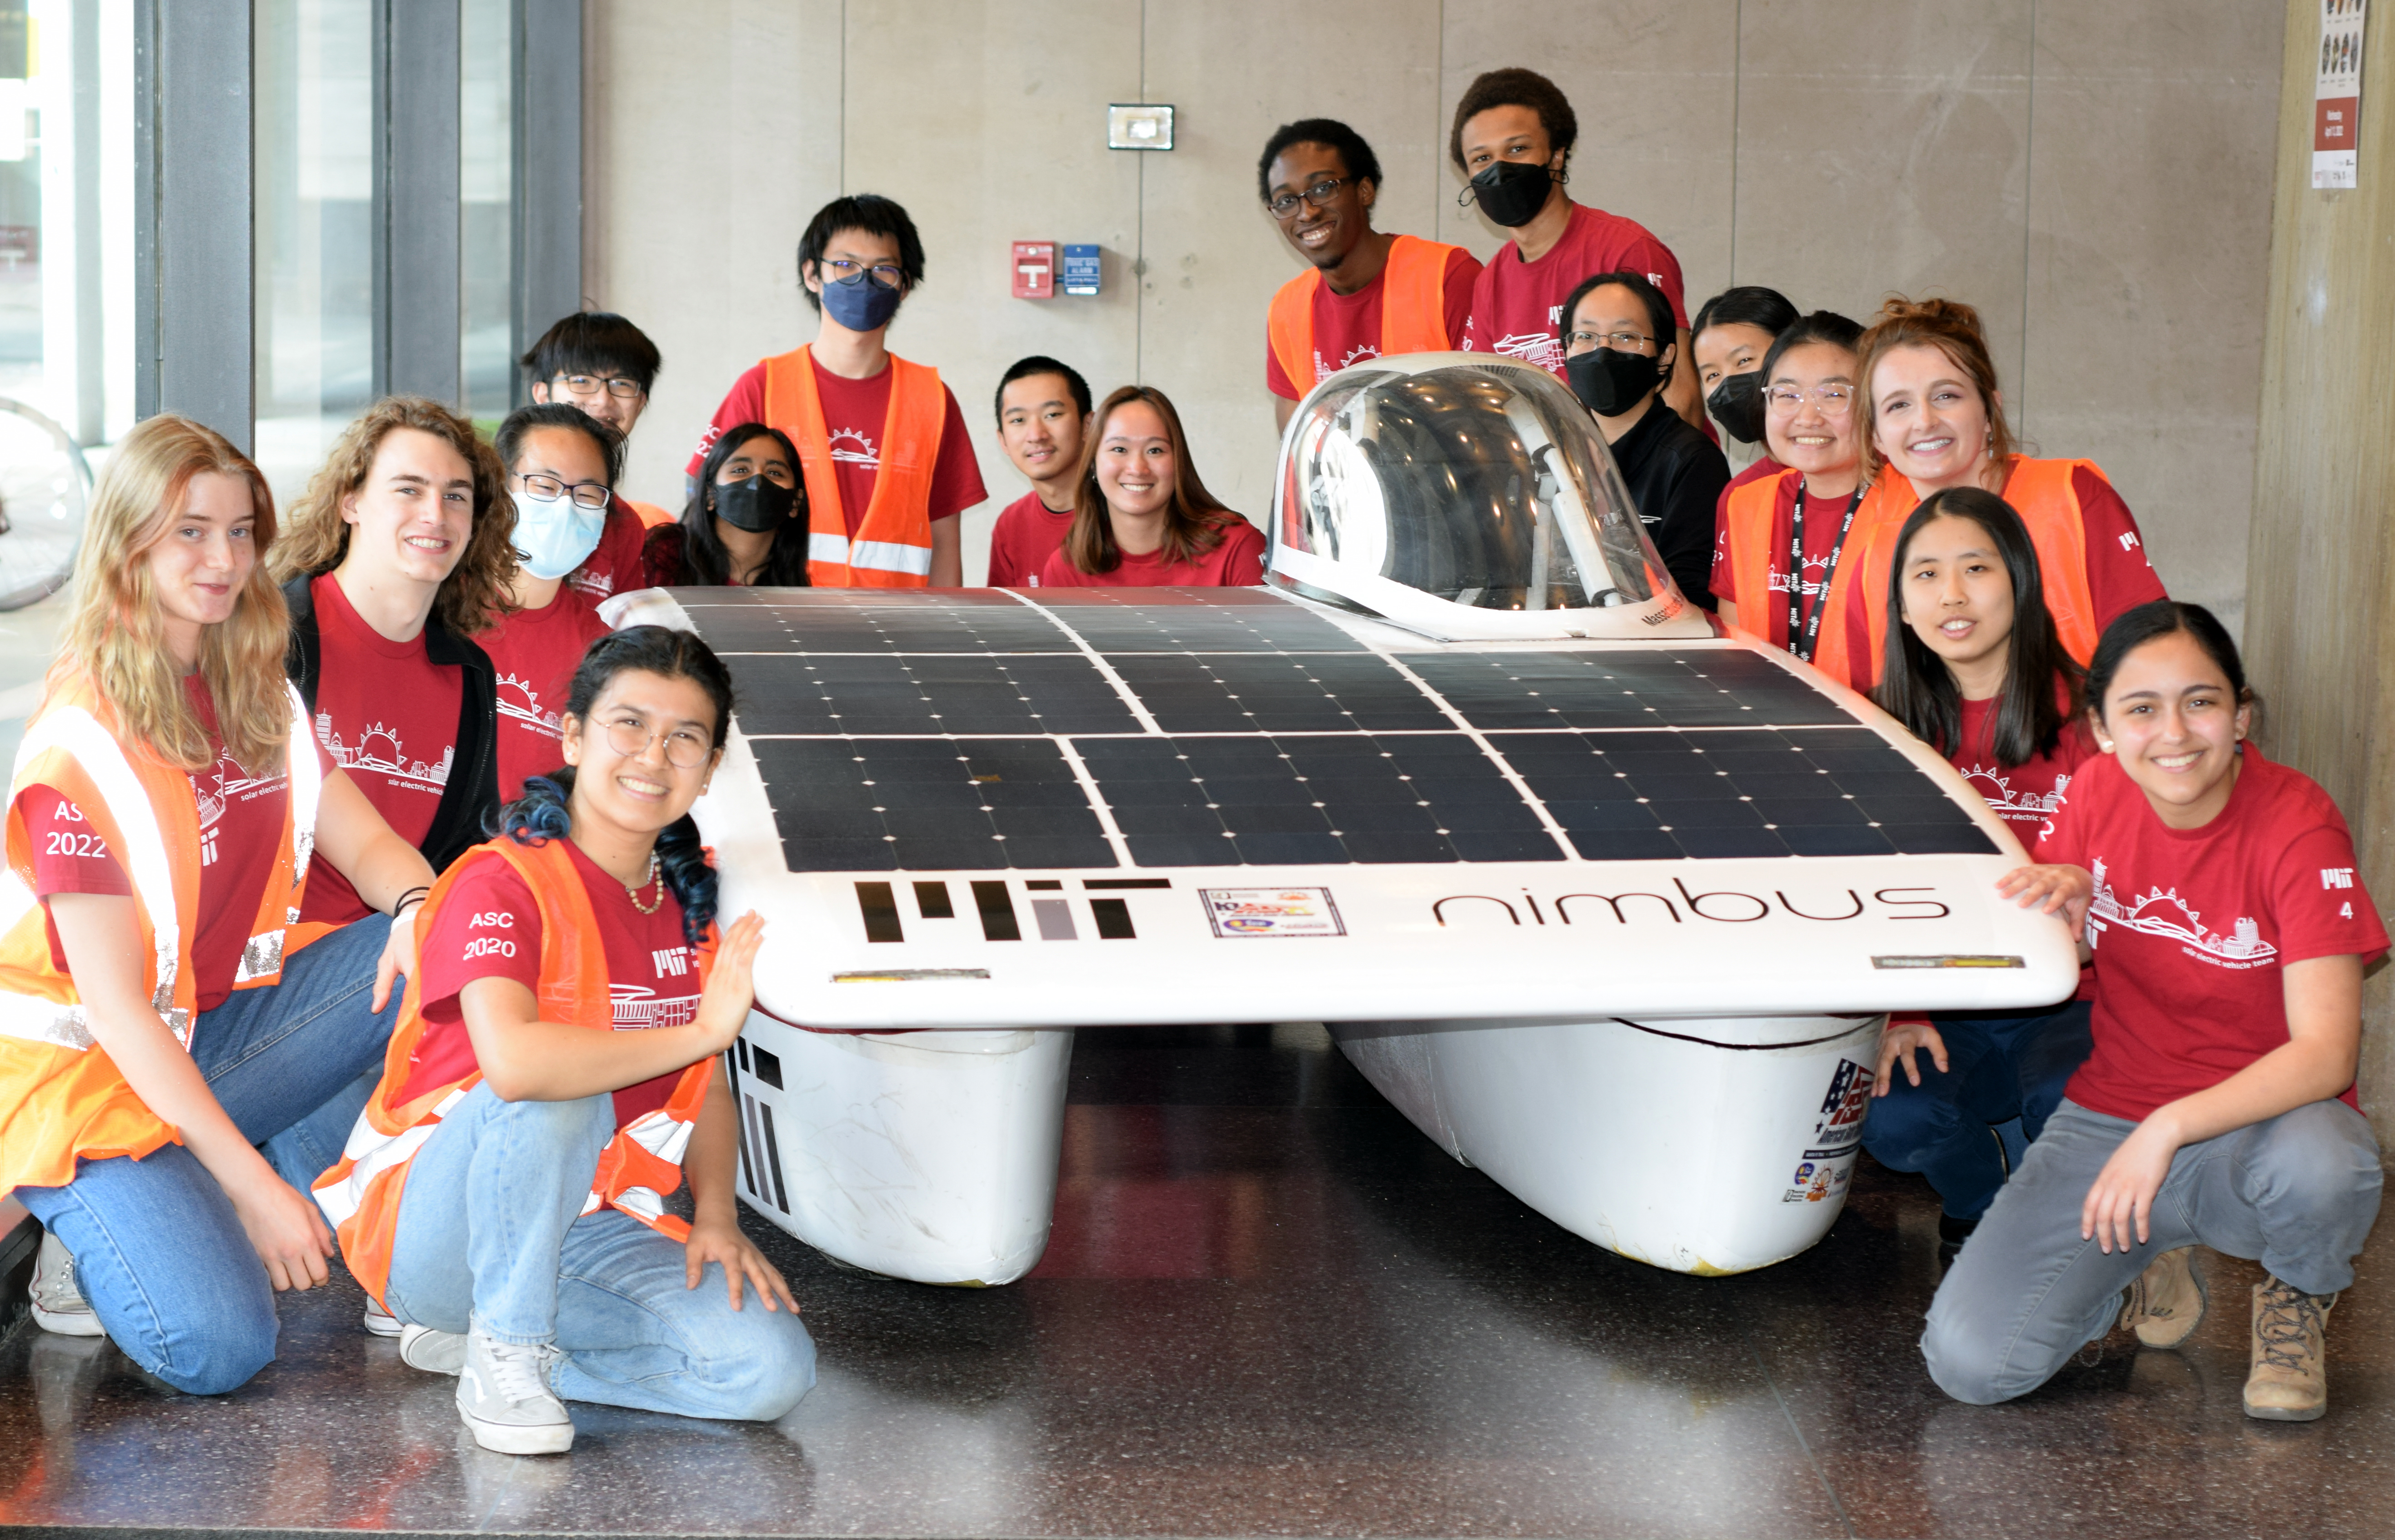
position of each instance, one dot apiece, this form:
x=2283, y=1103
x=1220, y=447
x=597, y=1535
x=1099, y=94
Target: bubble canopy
x=1465, y=496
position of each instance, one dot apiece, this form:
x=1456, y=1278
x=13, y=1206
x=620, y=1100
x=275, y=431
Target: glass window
x=313, y=159
x=20, y=208
x=486, y=221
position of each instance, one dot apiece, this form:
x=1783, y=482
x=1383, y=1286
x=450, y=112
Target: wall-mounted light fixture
x=1139, y=125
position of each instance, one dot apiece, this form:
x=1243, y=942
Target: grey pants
x=2298, y=1193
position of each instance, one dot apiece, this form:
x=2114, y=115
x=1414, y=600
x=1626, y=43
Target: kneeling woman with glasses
x=556, y=1071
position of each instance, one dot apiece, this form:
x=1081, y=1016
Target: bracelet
x=420, y=893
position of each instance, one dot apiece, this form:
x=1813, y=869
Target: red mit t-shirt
x=241, y=835
x=1517, y=307
x=1236, y=561
x=488, y=926
x=388, y=715
x=2191, y=928
x=1347, y=327
x=613, y=565
x=535, y=653
x=854, y=413
x=1026, y=535
x=1822, y=523
x=2026, y=794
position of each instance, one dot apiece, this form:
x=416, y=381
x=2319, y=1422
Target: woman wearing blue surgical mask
x=745, y=526
x=560, y=469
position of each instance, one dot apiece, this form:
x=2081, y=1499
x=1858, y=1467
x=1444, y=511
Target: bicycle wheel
x=45, y=484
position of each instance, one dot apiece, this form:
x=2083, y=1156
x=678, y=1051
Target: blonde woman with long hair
x=164, y=1013
x=398, y=554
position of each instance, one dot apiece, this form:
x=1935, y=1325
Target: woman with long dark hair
x=1975, y=670
x=2229, y=930
x=1143, y=518
x=557, y=1072
x=746, y=523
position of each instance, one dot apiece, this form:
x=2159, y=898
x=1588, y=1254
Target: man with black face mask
x=1617, y=360
x=887, y=459
x=1513, y=136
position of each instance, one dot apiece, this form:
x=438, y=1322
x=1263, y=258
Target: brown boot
x=2289, y=1381
x=2166, y=1302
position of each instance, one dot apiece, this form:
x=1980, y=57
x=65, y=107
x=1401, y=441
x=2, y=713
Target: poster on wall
x=2336, y=96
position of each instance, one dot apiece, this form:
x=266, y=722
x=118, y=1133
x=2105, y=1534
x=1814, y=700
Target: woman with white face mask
x=560, y=472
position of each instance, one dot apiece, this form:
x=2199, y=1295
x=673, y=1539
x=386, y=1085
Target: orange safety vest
x=641, y=1164
x=892, y=548
x=1751, y=516
x=61, y=1097
x=2041, y=493
x=1414, y=309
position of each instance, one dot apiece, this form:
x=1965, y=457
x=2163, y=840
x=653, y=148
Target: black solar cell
x=928, y=804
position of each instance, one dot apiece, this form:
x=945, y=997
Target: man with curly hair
x=1513, y=136
x=397, y=554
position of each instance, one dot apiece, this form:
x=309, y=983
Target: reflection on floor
x=1271, y=1307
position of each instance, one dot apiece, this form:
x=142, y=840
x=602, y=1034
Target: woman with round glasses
x=600, y=362
x=1786, y=541
x=1619, y=356
x=1933, y=419
x=556, y=1075
x=560, y=469
x=398, y=554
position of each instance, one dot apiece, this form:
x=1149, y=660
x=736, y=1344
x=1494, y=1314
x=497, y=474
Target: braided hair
x=543, y=813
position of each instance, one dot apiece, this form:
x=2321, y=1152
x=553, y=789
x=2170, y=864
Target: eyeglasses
x=1834, y=400
x=585, y=494
x=686, y=747
x=1620, y=342
x=591, y=385
x=888, y=274
x=1319, y=195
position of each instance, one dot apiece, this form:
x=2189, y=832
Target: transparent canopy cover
x=1478, y=482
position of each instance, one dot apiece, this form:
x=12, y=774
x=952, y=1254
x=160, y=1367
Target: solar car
x=1609, y=902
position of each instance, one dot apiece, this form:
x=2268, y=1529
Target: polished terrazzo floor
x=1271, y=1308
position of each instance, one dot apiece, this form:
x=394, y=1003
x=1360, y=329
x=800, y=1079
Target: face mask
x=755, y=505
x=1512, y=192
x=861, y=302
x=1737, y=405
x=1610, y=383
x=555, y=534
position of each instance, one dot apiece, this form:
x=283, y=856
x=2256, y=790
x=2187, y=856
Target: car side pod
x=1709, y=1147
x=924, y=1155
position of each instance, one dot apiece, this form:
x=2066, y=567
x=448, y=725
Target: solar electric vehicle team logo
x=521, y=702
x=378, y=751
x=2024, y=805
x=2164, y=913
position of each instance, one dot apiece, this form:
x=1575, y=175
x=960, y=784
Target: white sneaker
x=59, y=1305
x=434, y=1352
x=380, y=1322
x=503, y=1394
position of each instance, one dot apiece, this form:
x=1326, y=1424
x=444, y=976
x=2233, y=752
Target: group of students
x=2198, y=1089
x=282, y=763
x=264, y=786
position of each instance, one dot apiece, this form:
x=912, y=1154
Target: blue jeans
x=491, y=1234
x=2297, y=1193
x=160, y=1254
x=1999, y=1069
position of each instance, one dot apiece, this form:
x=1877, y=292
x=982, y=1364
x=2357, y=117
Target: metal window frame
x=195, y=254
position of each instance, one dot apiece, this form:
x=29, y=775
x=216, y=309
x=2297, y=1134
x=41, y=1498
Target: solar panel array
x=982, y=731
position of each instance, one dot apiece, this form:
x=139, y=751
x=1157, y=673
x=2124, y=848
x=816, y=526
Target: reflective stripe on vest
x=262, y=958
x=2042, y=493
x=893, y=544
x=1414, y=309
x=362, y=1194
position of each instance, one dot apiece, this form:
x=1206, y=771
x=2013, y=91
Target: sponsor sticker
x=1828, y=1162
x=1246, y=912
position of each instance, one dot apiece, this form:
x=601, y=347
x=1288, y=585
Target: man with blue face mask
x=883, y=444
x=562, y=468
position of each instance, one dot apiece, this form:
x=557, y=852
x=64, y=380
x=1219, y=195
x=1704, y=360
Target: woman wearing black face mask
x=1732, y=332
x=745, y=526
x=1619, y=358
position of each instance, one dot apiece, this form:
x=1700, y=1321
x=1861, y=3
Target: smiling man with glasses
x=1365, y=294
x=883, y=447
x=602, y=364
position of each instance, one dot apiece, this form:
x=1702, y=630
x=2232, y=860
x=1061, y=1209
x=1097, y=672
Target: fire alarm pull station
x=1035, y=269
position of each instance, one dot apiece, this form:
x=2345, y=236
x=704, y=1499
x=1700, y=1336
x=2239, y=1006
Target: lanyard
x=1805, y=631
